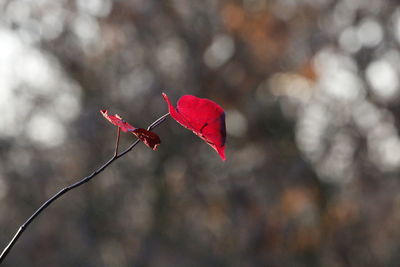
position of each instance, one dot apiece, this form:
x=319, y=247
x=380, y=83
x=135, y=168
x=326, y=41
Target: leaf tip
x=221, y=152
x=164, y=95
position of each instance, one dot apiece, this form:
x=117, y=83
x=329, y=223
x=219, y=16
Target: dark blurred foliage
x=310, y=88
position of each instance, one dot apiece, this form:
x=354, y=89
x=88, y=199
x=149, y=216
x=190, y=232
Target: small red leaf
x=117, y=121
x=202, y=116
x=150, y=139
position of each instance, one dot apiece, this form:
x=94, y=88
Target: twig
x=86, y=179
x=117, y=142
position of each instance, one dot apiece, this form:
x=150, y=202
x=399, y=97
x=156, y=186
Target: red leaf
x=202, y=116
x=117, y=121
x=150, y=139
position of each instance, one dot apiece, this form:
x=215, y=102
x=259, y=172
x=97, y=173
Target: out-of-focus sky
x=311, y=94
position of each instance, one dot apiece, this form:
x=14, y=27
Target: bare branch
x=86, y=179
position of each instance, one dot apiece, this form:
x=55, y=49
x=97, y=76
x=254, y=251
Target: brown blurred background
x=311, y=92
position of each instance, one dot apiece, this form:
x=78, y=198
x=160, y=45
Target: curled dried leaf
x=149, y=138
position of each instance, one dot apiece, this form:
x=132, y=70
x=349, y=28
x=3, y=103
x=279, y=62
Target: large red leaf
x=202, y=116
x=150, y=139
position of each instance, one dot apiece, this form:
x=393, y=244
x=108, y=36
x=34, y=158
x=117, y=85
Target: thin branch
x=157, y=122
x=86, y=179
x=117, y=142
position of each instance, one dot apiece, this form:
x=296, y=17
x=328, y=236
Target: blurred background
x=311, y=93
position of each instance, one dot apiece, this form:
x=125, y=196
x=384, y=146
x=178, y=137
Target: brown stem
x=117, y=141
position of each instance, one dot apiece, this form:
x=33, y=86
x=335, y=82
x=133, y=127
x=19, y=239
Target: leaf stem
x=84, y=180
x=117, y=141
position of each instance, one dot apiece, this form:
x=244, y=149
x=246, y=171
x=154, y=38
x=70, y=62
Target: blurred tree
x=311, y=93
